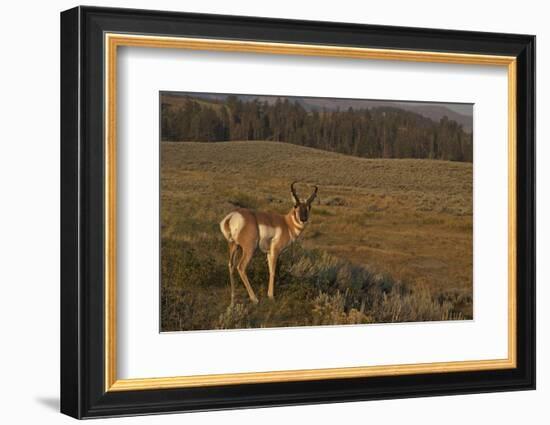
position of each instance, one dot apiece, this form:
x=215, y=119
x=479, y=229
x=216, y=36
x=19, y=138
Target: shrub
x=234, y=317
x=313, y=288
x=331, y=310
x=242, y=200
x=336, y=201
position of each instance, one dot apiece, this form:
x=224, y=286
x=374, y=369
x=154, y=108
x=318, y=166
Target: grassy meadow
x=389, y=240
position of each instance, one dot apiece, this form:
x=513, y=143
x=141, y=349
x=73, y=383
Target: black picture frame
x=83, y=392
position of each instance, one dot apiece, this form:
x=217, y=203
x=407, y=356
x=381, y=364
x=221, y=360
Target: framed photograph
x=261, y=212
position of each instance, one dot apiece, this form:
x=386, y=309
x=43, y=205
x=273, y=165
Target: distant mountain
x=436, y=112
x=432, y=111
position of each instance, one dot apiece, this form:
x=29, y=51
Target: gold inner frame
x=113, y=41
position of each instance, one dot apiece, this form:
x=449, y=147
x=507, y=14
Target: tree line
x=380, y=132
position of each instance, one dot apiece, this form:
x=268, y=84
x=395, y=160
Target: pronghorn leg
x=233, y=251
x=272, y=263
x=241, y=268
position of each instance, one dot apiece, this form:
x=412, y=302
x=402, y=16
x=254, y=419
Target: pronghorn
x=247, y=229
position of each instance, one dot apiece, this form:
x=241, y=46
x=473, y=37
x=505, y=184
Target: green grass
x=390, y=240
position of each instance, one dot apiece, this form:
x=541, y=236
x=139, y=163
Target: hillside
x=362, y=128
x=404, y=222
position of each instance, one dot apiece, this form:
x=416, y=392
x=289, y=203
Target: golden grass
x=407, y=218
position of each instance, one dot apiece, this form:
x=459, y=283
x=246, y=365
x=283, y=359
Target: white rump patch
x=232, y=225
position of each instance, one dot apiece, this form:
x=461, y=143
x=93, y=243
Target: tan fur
x=245, y=230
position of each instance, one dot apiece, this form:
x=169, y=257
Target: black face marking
x=302, y=208
x=303, y=212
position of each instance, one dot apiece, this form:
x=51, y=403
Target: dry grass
x=407, y=220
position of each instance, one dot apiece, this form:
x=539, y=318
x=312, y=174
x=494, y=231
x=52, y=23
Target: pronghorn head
x=302, y=208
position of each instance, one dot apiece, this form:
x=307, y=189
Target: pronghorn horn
x=294, y=194
x=313, y=195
